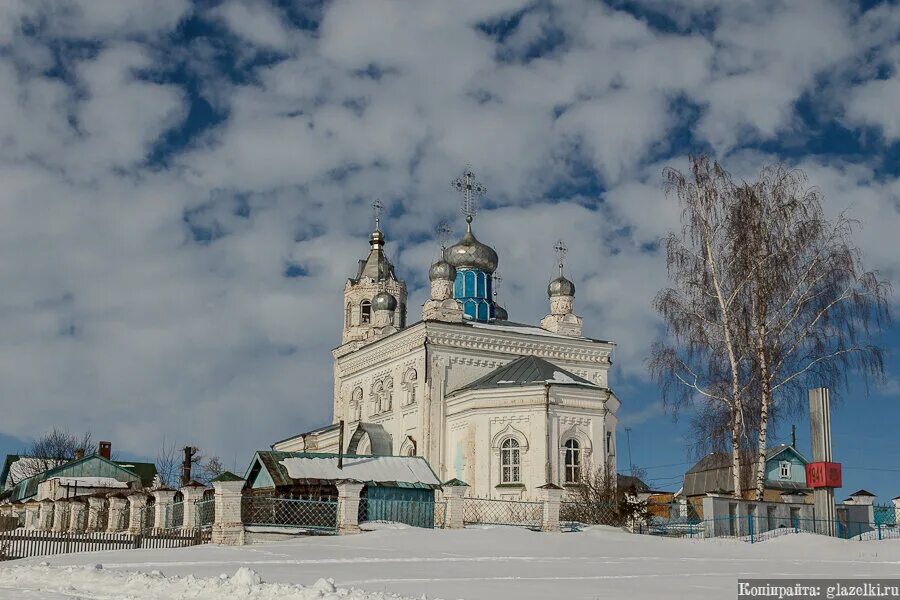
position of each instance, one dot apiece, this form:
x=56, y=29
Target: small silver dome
x=500, y=313
x=442, y=270
x=472, y=254
x=384, y=301
x=561, y=287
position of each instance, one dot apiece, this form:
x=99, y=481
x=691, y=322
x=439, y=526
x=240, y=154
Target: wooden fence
x=23, y=543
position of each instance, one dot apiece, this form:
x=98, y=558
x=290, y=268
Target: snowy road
x=503, y=563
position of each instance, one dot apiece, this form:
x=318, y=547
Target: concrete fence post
x=162, y=508
x=228, y=528
x=896, y=502
x=454, y=493
x=348, y=505
x=60, y=515
x=116, y=508
x=191, y=494
x=551, y=494
x=32, y=515
x=45, y=515
x=76, y=515
x=136, y=505
x=95, y=508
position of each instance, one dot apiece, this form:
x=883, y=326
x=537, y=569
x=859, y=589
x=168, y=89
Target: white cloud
x=116, y=318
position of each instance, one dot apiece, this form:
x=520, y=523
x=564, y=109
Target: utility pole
x=628, y=437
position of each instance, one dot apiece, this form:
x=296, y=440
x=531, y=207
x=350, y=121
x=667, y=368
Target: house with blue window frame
x=785, y=470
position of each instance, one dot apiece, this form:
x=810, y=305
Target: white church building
x=504, y=406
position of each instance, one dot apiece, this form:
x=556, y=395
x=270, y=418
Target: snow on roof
x=377, y=469
x=26, y=466
x=96, y=482
x=511, y=327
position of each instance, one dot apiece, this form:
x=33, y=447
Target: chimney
x=105, y=450
x=79, y=453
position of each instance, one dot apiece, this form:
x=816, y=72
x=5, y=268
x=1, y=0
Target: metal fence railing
x=440, y=514
x=591, y=513
x=885, y=514
x=312, y=515
x=205, y=511
x=489, y=511
x=753, y=529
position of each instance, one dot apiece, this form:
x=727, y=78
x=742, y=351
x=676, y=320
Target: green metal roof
x=146, y=471
x=227, y=476
x=93, y=465
x=526, y=370
x=271, y=461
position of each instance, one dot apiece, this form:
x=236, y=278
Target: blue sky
x=186, y=186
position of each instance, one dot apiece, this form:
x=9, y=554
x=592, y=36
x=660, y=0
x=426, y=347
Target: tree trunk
x=736, y=426
x=765, y=401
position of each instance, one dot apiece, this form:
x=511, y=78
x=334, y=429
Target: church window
x=402, y=315
x=377, y=396
x=572, y=461
x=347, y=315
x=510, y=464
x=365, y=309
x=609, y=444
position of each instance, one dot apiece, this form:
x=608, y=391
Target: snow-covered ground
x=490, y=563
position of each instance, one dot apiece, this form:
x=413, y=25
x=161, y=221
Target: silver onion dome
x=442, y=270
x=384, y=301
x=561, y=287
x=471, y=254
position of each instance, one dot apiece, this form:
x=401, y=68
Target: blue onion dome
x=442, y=270
x=469, y=253
x=384, y=301
x=500, y=313
x=561, y=287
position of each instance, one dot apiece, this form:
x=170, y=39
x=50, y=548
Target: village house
x=785, y=474
x=84, y=476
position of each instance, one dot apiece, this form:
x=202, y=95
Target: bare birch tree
x=810, y=307
x=703, y=357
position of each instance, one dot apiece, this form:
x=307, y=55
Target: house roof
x=862, y=493
x=527, y=370
x=291, y=468
x=145, y=471
x=17, y=467
x=626, y=482
x=80, y=468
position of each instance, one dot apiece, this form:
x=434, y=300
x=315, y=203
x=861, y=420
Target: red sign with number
x=823, y=475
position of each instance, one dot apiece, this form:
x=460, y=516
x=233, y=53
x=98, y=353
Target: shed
x=395, y=488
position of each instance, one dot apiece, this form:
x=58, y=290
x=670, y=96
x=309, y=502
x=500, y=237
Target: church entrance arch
x=379, y=440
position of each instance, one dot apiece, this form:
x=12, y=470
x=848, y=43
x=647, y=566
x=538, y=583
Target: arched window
x=402, y=315
x=572, y=461
x=388, y=394
x=470, y=283
x=347, y=315
x=365, y=312
x=510, y=471
x=377, y=396
x=410, y=380
x=356, y=404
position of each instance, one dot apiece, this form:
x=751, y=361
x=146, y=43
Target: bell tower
x=375, y=298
